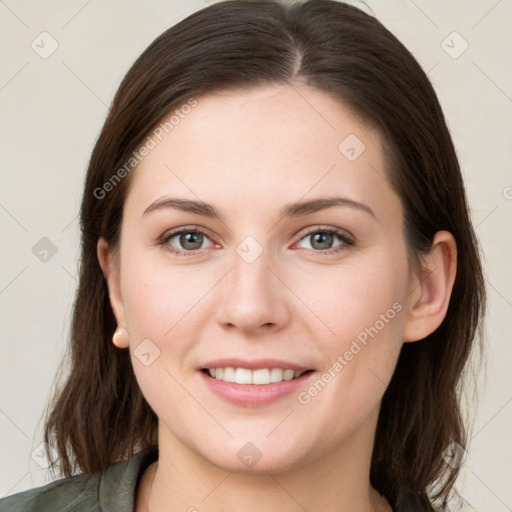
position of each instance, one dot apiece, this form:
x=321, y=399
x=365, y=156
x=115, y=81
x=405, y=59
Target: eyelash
x=347, y=242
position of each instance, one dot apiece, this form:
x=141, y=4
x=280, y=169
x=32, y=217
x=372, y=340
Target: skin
x=248, y=154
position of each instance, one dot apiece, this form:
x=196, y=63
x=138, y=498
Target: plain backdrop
x=52, y=108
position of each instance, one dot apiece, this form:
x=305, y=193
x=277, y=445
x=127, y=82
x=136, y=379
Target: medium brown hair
x=99, y=415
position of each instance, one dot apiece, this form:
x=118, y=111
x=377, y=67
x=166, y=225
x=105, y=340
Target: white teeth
x=229, y=375
x=260, y=376
x=243, y=376
x=276, y=375
x=288, y=374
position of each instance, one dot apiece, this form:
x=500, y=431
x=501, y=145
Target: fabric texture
x=114, y=491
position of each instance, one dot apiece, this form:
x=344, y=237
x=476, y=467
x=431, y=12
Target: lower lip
x=254, y=395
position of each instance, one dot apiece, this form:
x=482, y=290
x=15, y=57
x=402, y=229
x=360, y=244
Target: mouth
x=258, y=376
x=254, y=383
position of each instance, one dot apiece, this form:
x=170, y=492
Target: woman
x=280, y=284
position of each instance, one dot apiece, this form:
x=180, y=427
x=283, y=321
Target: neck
x=337, y=481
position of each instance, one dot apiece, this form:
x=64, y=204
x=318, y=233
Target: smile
x=260, y=376
x=257, y=387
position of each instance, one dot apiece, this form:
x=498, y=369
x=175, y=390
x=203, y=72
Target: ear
x=430, y=294
x=110, y=266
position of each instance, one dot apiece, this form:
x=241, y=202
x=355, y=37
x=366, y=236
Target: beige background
x=53, y=108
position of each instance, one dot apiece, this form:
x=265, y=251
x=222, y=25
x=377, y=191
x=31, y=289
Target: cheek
x=160, y=297
x=162, y=308
x=362, y=313
x=349, y=300
x=167, y=310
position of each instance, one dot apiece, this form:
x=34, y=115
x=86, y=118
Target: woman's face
x=261, y=287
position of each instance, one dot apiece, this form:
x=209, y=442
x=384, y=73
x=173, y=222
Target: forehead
x=278, y=142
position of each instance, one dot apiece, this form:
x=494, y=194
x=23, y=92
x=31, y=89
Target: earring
x=120, y=338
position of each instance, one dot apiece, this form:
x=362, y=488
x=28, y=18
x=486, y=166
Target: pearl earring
x=117, y=338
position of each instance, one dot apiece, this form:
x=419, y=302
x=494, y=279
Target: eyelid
x=184, y=229
x=325, y=227
x=347, y=238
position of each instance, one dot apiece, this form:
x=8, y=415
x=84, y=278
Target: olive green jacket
x=114, y=491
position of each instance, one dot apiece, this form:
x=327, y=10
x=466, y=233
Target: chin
x=256, y=458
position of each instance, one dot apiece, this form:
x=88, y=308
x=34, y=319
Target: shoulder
x=72, y=493
x=111, y=491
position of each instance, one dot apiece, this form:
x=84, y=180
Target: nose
x=253, y=298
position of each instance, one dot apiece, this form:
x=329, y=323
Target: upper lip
x=254, y=364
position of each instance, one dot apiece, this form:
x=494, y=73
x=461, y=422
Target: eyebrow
x=297, y=209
